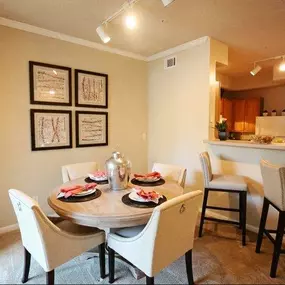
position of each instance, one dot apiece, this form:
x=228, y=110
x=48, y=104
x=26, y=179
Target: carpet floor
x=218, y=258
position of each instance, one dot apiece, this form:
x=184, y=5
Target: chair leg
x=111, y=260
x=189, y=268
x=50, y=277
x=206, y=193
x=262, y=224
x=102, y=260
x=278, y=244
x=243, y=197
x=27, y=262
x=149, y=280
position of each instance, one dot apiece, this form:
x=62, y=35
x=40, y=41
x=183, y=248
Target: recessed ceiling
x=253, y=29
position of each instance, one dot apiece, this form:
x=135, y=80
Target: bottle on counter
x=265, y=113
x=283, y=112
x=273, y=113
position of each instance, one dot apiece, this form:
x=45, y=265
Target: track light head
x=256, y=69
x=167, y=2
x=102, y=34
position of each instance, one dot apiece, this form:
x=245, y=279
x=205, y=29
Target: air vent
x=170, y=62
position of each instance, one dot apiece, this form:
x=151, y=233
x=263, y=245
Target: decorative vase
x=223, y=136
x=118, y=170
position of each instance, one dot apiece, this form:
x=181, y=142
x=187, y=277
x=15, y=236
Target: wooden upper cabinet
x=227, y=111
x=238, y=115
x=252, y=110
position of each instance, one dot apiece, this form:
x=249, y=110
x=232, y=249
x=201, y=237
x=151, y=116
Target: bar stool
x=223, y=183
x=274, y=194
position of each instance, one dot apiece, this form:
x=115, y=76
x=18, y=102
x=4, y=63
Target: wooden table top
x=108, y=211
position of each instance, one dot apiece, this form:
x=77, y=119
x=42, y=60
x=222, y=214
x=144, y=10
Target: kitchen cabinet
x=238, y=115
x=241, y=114
x=227, y=111
x=252, y=110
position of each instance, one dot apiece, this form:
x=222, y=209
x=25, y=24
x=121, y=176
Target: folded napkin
x=99, y=173
x=148, y=175
x=75, y=189
x=148, y=196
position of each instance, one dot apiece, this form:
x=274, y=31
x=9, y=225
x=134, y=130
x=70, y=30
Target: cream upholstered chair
x=172, y=172
x=223, y=183
x=52, y=245
x=168, y=235
x=274, y=194
x=77, y=170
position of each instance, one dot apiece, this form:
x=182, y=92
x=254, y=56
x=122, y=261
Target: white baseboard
x=8, y=229
x=219, y=216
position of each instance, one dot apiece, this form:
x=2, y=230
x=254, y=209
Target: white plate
x=85, y=193
x=133, y=196
x=149, y=179
x=95, y=178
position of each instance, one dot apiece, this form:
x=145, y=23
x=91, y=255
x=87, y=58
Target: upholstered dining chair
x=274, y=194
x=52, y=245
x=77, y=170
x=168, y=235
x=223, y=183
x=172, y=172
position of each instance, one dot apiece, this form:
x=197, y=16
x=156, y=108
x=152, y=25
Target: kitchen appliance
x=270, y=126
x=118, y=171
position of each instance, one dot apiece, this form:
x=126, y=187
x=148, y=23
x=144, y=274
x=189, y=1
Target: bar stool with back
x=223, y=183
x=274, y=194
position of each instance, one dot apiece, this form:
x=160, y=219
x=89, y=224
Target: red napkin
x=75, y=189
x=152, y=174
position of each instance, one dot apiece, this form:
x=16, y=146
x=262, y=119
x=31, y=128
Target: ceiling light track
x=257, y=67
x=130, y=20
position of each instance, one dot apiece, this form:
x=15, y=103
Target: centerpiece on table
x=222, y=128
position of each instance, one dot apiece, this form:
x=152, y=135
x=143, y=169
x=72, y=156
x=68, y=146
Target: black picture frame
x=78, y=128
x=33, y=93
x=78, y=95
x=34, y=136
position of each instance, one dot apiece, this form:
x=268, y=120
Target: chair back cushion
x=171, y=172
x=77, y=170
x=169, y=234
x=274, y=183
x=206, y=167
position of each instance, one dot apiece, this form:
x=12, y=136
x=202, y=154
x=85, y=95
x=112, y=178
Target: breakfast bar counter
x=246, y=144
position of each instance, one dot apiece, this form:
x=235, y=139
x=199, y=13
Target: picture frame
x=50, y=84
x=91, y=89
x=50, y=129
x=91, y=128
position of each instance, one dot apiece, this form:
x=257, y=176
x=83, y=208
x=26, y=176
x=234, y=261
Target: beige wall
x=37, y=173
x=178, y=111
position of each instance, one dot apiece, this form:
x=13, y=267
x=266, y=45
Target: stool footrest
x=221, y=220
x=222, y=209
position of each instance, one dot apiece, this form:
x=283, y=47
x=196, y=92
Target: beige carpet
x=218, y=258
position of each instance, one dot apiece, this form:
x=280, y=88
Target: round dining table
x=108, y=211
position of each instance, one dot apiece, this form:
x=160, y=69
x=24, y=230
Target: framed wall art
x=50, y=84
x=91, y=89
x=91, y=128
x=50, y=129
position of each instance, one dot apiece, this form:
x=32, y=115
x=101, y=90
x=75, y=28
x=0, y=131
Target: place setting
x=79, y=193
x=141, y=198
x=100, y=177
x=148, y=180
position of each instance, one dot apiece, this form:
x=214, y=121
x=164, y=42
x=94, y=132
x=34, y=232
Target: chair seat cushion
x=228, y=182
x=75, y=229
x=129, y=232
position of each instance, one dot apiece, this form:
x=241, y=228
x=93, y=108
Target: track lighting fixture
x=167, y=2
x=255, y=70
x=282, y=65
x=102, y=34
x=130, y=20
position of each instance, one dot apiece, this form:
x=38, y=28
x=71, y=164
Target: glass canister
x=118, y=171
